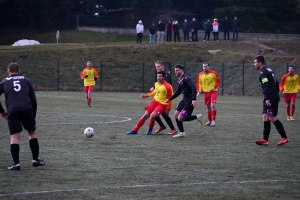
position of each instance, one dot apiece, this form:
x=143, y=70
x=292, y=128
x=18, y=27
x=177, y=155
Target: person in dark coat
x=207, y=28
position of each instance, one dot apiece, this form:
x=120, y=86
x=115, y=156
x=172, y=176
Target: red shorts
x=88, y=88
x=210, y=97
x=288, y=97
x=155, y=106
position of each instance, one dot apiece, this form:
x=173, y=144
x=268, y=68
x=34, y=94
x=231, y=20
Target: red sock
x=151, y=124
x=288, y=110
x=138, y=125
x=209, y=115
x=89, y=100
x=214, y=115
x=293, y=110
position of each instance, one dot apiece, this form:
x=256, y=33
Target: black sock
x=190, y=118
x=14, y=150
x=158, y=120
x=34, y=146
x=267, y=129
x=280, y=128
x=179, y=125
x=169, y=121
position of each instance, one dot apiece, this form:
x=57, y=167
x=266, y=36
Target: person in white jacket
x=139, y=31
x=216, y=30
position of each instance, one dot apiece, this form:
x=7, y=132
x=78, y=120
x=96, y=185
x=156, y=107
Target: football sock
x=34, y=146
x=214, y=115
x=89, y=100
x=293, y=110
x=151, y=124
x=14, y=150
x=288, y=110
x=209, y=116
x=280, y=128
x=267, y=129
x=179, y=125
x=190, y=118
x=138, y=125
x=169, y=121
x=158, y=119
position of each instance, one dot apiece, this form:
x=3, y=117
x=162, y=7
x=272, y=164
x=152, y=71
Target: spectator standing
x=186, y=30
x=207, y=28
x=194, y=30
x=176, y=31
x=289, y=86
x=226, y=28
x=139, y=31
x=168, y=30
x=235, y=26
x=152, y=31
x=216, y=30
x=160, y=31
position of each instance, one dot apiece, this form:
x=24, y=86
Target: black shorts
x=18, y=117
x=274, y=100
x=185, y=108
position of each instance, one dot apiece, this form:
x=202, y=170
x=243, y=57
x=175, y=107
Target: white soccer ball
x=89, y=132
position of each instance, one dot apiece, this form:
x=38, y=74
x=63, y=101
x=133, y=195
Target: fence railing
x=236, y=78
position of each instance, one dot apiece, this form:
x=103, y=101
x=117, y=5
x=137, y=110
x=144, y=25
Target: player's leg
x=267, y=127
x=160, y=123
x=90, y=89
x=213, y=101
x=160, y=108
x=287, y=100
x=293, y=101
x=208, y=107
x=169, y=122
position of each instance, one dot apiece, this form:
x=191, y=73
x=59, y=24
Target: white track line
x=148, y=185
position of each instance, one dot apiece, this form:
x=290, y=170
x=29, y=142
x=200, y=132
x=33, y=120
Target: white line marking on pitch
x=148, y=185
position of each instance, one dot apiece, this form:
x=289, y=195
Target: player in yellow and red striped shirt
x=89, y=74
x=208, y=81
x=289, y=85
x=163, y=90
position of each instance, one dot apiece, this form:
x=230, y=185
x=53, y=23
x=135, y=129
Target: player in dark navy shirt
x=21, y=107
x=270, y=87
x=186, y=106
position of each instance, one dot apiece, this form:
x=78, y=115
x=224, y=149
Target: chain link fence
x=236, y=78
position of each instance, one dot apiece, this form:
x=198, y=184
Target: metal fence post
x=243, y=87
x=222, y=78
x=58, y=74
x=143, y=76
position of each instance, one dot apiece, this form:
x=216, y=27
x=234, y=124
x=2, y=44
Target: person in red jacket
x=89, y=74
x=289, y=86
x=208, y=81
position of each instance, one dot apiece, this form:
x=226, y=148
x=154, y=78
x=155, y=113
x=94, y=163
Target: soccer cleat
x=283, y=141
x=179, y=135
x=149, y=132
x=131, y=133
x=292, y=118
x=207, y=123
x=213, y=123
x=200, y=119
x=262, y=142
x=172, y=132
x=161, y=128
x=288, y=118
x=14, y=167
x=38, y=162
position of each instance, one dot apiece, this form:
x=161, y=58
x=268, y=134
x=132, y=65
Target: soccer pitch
x=220, y=162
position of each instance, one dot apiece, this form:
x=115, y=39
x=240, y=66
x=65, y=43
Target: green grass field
x=221, y=162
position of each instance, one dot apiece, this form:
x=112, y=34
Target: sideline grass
x=221, y=162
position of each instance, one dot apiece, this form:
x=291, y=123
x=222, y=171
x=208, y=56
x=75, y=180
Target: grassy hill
x=118, y=54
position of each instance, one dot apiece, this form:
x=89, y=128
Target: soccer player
x=270, y=87
x=89, y=74
x=208, y=81
x=159, y=65
x=158, y=105
x=186, y=106
x=21, y=107
x=289, y=86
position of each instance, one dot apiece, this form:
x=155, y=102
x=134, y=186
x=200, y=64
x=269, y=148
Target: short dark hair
x=206, y=63
x=160, y=62
x=13, y=67
x=179, y=66
x=162, y=73
x=260, y=59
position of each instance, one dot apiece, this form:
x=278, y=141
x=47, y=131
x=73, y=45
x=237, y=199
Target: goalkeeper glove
x=86, y=76
x=95, y=78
